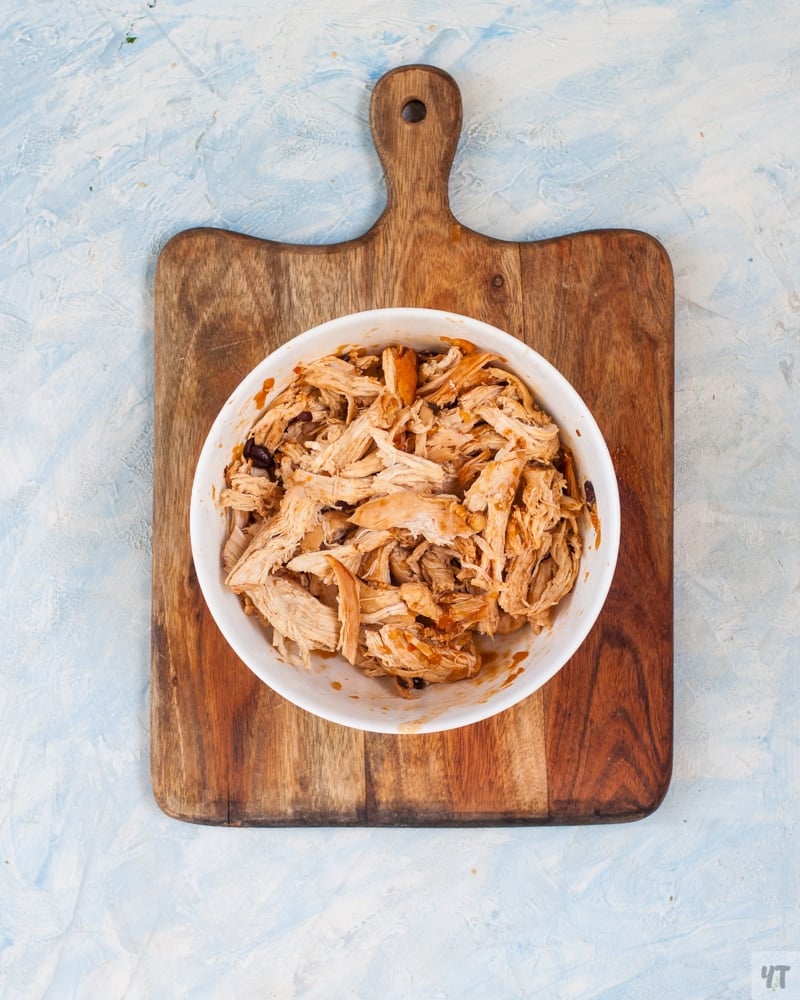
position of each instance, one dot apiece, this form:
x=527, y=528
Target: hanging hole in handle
x=413, y=111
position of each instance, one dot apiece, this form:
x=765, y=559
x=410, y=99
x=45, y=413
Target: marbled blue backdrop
x=122, y=123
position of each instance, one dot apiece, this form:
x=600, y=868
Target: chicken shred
x=395, y=505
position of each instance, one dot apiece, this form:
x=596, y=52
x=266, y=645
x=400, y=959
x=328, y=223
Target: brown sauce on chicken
x=393, y=506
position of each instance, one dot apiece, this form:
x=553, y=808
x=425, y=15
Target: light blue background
x=122, y=123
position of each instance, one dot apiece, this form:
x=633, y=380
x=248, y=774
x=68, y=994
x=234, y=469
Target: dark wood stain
x=595, y=745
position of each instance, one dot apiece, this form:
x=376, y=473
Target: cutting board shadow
x=593, y=745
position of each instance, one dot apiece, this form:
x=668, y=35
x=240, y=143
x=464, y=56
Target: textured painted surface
x=122, y=123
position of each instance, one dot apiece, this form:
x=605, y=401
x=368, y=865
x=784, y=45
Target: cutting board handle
x=415, y=116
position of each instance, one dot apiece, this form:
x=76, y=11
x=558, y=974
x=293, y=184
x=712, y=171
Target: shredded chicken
x=392, y=507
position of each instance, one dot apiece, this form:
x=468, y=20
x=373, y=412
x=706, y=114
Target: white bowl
x=517, y=664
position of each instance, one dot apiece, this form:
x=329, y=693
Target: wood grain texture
x=596, y=743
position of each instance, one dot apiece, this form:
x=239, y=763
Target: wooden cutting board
x=595, y=744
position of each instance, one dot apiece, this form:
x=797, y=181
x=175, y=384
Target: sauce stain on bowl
x=500, y=666
x=260, y=397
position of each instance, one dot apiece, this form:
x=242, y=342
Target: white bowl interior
x=514, y=665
